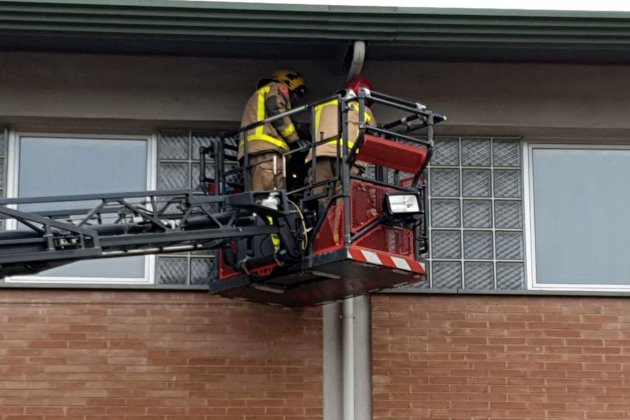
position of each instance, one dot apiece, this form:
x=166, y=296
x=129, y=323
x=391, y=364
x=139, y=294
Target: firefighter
x=273, y=97
x=327, y=129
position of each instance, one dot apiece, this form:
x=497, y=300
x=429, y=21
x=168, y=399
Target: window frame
x=529, y=223
x=13, y=166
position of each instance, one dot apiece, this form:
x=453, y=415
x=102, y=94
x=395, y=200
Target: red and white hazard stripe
x=385, y=259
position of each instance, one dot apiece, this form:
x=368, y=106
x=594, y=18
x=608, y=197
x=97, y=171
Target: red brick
x=155, y=355
x=174, y=355
x=538, y=357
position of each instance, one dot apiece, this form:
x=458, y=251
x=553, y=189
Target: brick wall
x=168, y=356
x=81, y=355
x=483, y=357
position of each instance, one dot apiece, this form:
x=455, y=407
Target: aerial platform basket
x=378, y=257
x=366, y=233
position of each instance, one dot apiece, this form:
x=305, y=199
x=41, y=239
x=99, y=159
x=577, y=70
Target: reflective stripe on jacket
x=271, y=99
x=327, y=126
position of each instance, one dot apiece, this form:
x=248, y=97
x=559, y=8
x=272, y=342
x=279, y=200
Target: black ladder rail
x=197, y=225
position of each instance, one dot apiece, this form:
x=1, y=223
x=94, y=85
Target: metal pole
x=333, y=361
x=348, y=359
x=362, y=331
x=345, y=172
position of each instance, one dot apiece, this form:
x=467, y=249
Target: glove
x=303, y=144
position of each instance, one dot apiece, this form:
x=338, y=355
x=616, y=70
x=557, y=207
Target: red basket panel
x=225, y=271
x=367, y=203
x=330, y=235
x=392, y=154
x=393, y=240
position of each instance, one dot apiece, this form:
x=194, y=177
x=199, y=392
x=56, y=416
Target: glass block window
x=476, y=214
x=185, y=269
x=178, y=158
x=4, y=136
x=178, y=168
x=4, y=141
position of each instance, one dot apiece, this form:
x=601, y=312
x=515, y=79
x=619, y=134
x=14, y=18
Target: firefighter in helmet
x=328, y=130
x=274, y=96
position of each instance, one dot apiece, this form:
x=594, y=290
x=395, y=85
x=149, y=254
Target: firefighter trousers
x=325, y=170
x=261, y=172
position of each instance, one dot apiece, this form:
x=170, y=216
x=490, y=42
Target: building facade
x=523, y=314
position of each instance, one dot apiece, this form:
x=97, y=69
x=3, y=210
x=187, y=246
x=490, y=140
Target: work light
x=402, y=203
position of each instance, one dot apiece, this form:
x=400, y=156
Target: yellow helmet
x=292, y=79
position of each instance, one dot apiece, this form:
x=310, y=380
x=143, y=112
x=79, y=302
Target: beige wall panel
x=195, y=89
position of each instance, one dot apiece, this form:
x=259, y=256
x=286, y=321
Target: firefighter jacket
x=269, y=100
x=327, y=126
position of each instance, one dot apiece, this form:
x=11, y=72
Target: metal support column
x=332, y=361
x=348, y=359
